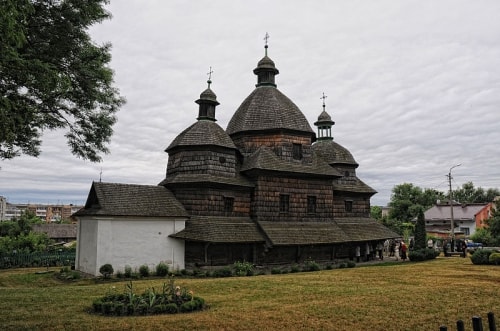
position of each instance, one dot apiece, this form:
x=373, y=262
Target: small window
x=228, y=204
x=348, y=205
x=284, y=203
x=346, y=174
x=222, y=159
x=297, y=152
x=311, y=205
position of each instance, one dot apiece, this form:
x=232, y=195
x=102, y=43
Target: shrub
x=494, y=258
x=275, y=271
x=295, y=268
x=311, y=265
x=224, y=272
x=144, y=270
x=243, y=268
x=342, y=265
x=171, y=308
x=481, y=256
x=106, y=270
x=351, y=264
x=119, y=274
x=423, y=254
x=161, y=269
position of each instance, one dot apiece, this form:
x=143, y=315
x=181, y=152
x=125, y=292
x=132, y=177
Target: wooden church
x=267, y=190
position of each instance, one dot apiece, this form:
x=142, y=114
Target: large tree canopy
x=53, y=76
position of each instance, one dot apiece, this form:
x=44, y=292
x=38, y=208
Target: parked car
x=472, y=246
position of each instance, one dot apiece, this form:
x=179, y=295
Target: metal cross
x=209, y=73
x=266, y=38
x=324, y=97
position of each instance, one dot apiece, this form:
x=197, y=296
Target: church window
x=311, y=205
x=222, y=159
x=297, y=151
x=348, y=205
x=228, y=204
x=284, y=203
x=346, y=174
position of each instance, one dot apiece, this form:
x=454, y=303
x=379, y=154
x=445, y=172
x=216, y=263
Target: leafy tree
x=420, y=233
x=407, y=200
x=52, y=76
x=470, y=194
x=376, y=212
x=494, y=225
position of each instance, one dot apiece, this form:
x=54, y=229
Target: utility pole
x=452, y=230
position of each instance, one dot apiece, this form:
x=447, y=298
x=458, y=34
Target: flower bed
x=170, y=299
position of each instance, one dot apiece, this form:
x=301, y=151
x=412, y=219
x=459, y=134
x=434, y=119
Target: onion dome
x=204, y=132
x=325, y=147
x=208, y=102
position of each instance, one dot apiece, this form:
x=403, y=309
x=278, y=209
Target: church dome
x=266, y=108
x=202, y=133
x=333, y=153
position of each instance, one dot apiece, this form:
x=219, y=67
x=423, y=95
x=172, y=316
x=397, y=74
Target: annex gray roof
x=113, y=199
x=333, y=153
x=220, y=230
x=266, y=108
x=265, y=159
x=59, y=231
x=202, y=133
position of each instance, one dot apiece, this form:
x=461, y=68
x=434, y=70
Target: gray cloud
x=414, y=87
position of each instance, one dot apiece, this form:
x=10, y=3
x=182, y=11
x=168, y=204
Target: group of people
x=397, y=249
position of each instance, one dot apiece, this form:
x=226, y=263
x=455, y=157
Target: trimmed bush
x=481, y=256
x=351, y=264
x=106, y=270
x=224, y=272
x=311, y=266
x=161, y=269
x=423, y=254
x=494, y=258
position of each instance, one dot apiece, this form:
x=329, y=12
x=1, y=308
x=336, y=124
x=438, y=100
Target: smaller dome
x=266, y=62
x=324, y=117
x=208, y=95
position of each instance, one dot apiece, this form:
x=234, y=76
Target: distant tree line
x=407, y=200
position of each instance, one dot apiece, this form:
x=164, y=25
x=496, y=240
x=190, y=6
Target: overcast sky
x=413, y=86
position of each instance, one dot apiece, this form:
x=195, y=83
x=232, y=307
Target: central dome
x=267, y=108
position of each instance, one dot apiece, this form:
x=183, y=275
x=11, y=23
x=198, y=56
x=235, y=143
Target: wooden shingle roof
x=202, y=133
x=364, y=229
x=206, y=178
x=266, y=108
x=303, y=233
x=265, y=159
x=220, y=230
x=355, y=185
x=333, y=153
x=113, y=199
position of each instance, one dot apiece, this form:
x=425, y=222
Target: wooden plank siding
x=265, y=203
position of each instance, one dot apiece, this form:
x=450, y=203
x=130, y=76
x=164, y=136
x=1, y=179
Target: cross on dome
x=324, y=97
x=209, y=73
x=266, y=38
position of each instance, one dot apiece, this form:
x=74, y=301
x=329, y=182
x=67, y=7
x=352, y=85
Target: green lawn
x=403, y=296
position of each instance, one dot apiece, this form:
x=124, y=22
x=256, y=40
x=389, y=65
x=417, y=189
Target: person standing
x=403, y=251
x=396, y=251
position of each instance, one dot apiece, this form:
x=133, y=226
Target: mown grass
x=404, y=296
